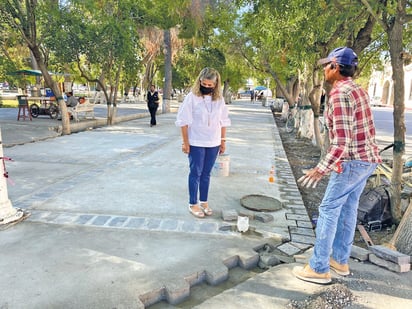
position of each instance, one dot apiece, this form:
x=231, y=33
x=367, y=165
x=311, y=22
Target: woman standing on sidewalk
x=203, y=118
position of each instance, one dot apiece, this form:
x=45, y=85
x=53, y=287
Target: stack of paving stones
x=384, y=257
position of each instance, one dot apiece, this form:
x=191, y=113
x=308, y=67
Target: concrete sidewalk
x=43, y=127
x=110, y=228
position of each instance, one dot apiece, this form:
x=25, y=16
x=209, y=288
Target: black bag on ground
x=374, y=207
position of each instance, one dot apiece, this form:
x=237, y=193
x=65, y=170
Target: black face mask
x=206, y=90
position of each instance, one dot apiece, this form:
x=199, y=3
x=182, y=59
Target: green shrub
x=4, y=103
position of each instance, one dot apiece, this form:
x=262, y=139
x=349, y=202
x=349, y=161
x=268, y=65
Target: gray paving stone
x=176, y=291
x=291, y=216
x=301, y=231
x=295, y=203
x=247, y=213
x=305, y=224
x=100, y=220
x=263, y=217
x=136, y=223
x=390, y=255
x=117, y=221
x=217, y=274
x=389, y=265
x=359, y=253
x=299, y=211
x=83, y=219
x=288, y=189
x=288, y=249
x=227, y=227
x=189, y=226
x=208, y=227
x=169, y=224
x=229, y=215
x=300, y=245
x=295, y=200
x=292, y=223
x=195, y=278
x=302, y=239
x=248, y=261
x=153, y=223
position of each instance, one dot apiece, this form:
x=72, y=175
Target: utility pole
x=8, y=213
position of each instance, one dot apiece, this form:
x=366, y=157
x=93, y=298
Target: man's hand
x=310, y=179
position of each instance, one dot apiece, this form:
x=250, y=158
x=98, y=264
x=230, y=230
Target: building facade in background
x=381, y=86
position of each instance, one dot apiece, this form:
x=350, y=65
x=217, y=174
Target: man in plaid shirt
x=351, y=158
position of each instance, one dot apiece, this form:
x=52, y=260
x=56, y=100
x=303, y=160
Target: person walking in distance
x=351, y=158
x=203, y=118
x=152, y=104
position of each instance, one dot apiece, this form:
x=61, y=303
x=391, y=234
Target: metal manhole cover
x=259, y=202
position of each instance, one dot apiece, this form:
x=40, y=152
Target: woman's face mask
x=206, y=90
x=207, y=86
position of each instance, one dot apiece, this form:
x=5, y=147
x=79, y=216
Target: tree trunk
x=305, y=125
x=289, y=98
x=305, y=108
x=314, y=98
x=395, y=35
x=167, y=87
x=403, y=235
x=227, y=95
x=54, y=87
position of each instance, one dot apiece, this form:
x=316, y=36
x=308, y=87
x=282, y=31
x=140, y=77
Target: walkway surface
x=109, y=224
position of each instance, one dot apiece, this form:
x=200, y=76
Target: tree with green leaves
x=98, y=39
x=22, y=17
x=165, y=15
x=286, y=38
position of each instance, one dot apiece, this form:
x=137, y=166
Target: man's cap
x=341, y=55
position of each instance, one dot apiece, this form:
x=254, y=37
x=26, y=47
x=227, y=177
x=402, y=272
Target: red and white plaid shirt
x=349, y=120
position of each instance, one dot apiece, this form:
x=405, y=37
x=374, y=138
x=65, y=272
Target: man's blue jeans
x=201, y=161
x=336, y=224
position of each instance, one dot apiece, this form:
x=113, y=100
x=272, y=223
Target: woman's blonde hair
x=209, y=74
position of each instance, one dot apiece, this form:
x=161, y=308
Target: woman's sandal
x=206, y=209
x=198, y=214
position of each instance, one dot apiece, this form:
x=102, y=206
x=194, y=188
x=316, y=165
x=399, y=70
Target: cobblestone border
x=129, y=222
x=299, y=224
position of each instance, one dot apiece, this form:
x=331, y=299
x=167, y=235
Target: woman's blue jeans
x=338, y=210
x=201, y=161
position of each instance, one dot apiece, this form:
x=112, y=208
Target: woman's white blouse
x=204, y=119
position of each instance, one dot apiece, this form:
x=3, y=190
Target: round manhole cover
x=259, y=202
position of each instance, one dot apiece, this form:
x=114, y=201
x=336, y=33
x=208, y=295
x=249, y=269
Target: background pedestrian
x=153, y=104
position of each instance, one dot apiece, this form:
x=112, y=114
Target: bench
x=129, y=99
x=86, y=108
